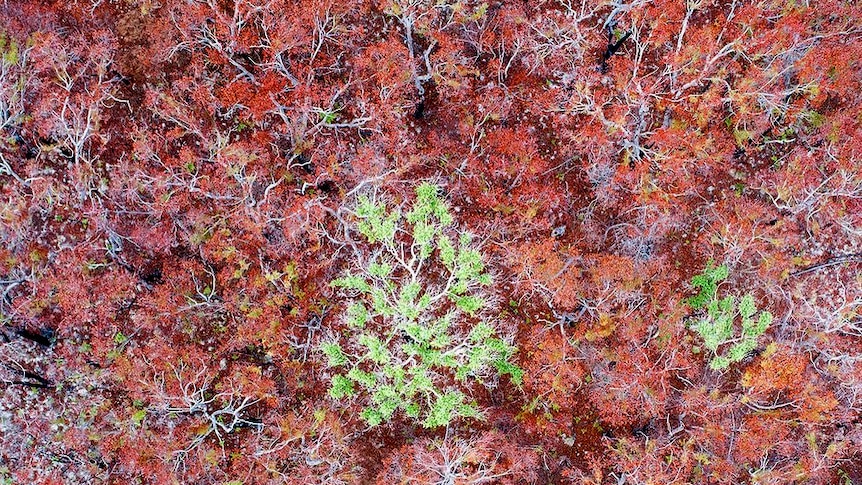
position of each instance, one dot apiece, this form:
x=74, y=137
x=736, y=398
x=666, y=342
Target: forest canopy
x=430, y=241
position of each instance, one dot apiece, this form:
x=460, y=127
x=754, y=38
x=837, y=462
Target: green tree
x=729, y=326
x=417, y=332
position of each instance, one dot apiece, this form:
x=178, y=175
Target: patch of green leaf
x=410, y=322
x=730, y=327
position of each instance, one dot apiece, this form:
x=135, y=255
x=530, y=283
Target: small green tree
x=415, y=331
x=729, y=343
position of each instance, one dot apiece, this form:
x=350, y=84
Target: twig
x=845, y=258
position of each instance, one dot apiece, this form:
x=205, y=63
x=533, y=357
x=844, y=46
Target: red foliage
x=173, y=178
